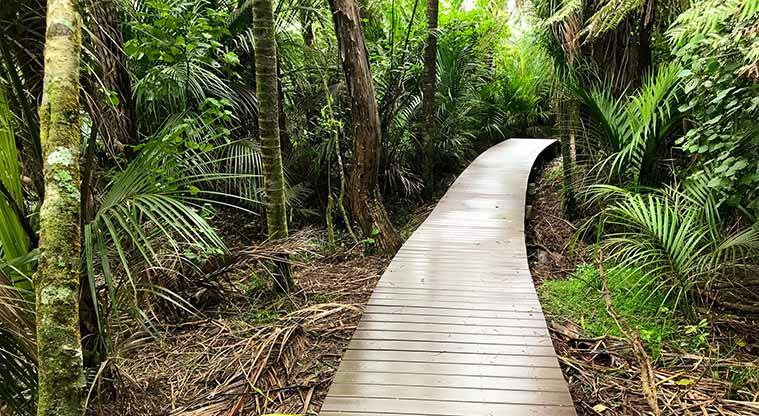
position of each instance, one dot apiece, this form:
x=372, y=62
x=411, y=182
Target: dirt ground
x=248, y=350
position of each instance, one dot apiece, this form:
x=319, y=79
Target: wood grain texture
x=454, y=326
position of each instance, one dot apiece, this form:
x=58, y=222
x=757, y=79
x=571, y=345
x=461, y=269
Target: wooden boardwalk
x=454, y=326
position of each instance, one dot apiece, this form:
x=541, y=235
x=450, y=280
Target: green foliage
x=626, y=138
x=675, y=237
x=18, y=372
x=155, y=210
x=18, y=351
x=609, y=15
x=176, y=53
x=717, y=44
x=580, y=299
x=14, y=241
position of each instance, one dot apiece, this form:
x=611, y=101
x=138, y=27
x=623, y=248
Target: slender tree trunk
x=364, y=195
x=61, y=376
x=268, y=120
x=311, y=98
x=428, y=95
x=647, y=18
x=564, y=117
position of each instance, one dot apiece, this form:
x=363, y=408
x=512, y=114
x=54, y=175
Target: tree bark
x=647, y=18
x=364, y=195
x=564, y=129
x=268, y=120
x=61, y=376
x=428, y=95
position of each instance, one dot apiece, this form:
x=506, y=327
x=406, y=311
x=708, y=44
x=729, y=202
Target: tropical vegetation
x=132, y=131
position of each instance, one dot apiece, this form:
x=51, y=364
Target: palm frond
x=609, y=16
x=671, y=235
x=18, y=351
x=568, y=8
x=14, y=240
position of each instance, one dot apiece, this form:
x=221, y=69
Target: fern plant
x=675, y=236
x=626, y=137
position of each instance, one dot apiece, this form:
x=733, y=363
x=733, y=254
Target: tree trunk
x=268, y=121
x=428, y=95
x=647, y=18
x=564, y=129
x=364, y=195
x=61, y=376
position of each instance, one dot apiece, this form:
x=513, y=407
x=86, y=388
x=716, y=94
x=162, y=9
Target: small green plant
x=263, y=316
x=255, y=285
x=370, y=242
x=698, y=335
x=580, y=300
x=553, y=173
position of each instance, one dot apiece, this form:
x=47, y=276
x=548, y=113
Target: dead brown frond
x=604, y=377
x=256, y=353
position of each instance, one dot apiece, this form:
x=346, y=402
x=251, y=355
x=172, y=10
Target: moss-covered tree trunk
x=363, y=191
x=428, y=94
x=61, y=376
x=268, y=117
x=268, y=122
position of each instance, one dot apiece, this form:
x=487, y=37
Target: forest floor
x=249, y=350
x=705, y=365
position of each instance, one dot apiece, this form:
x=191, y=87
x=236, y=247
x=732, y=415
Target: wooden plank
x=449, y=358
x=436, y=346
x=454, y=327
x=454, y=320
x=430, y=407
x=526, y=314
x=455, y=369
x=496, y=292
x=471, y=382
x=526, y=305
x=387, y=335
x=488, y=297
x=448, y=394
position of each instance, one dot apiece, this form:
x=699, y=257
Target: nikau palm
x=428, y=92
x=268, y=121
x=268, y=117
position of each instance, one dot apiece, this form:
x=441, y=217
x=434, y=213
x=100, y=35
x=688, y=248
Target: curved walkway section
x=454, y=326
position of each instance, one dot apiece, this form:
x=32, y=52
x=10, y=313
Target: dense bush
x=717, y=44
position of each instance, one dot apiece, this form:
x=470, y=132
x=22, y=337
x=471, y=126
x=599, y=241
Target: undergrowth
x=579, y=299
